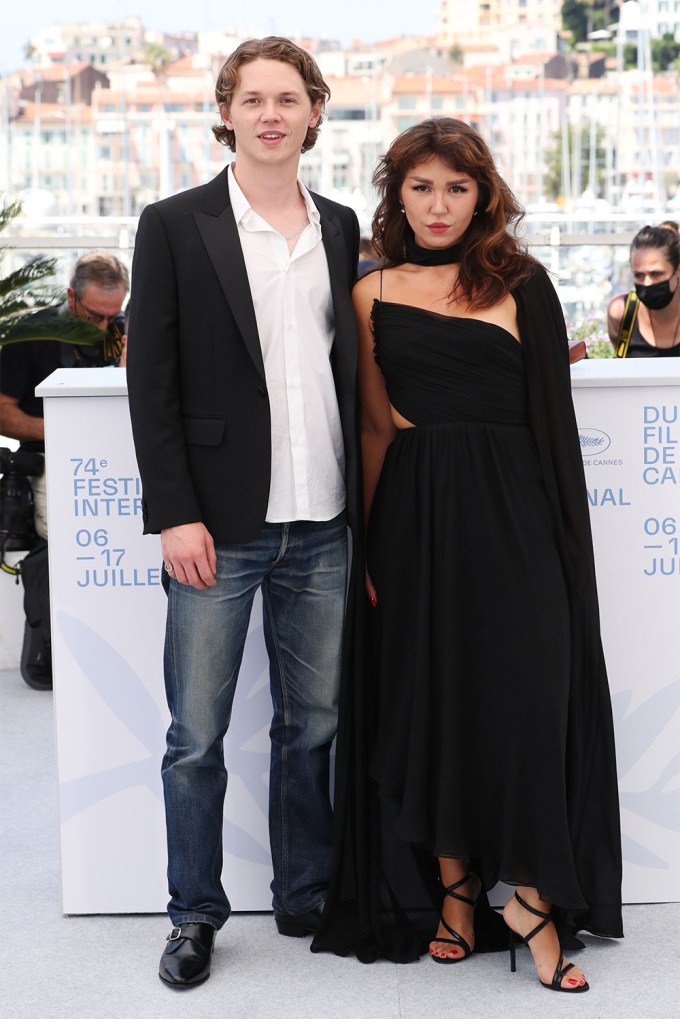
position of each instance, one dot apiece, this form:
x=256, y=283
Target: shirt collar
x=243, y=211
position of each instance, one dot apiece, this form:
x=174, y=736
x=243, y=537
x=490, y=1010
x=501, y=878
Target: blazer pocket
x=204, y=431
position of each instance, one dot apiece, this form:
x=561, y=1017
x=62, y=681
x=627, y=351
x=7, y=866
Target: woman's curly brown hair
x=493, y=261
x=272, y=47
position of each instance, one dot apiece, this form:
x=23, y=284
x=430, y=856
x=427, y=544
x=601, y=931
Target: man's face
x=96, y=305
x=270, y=113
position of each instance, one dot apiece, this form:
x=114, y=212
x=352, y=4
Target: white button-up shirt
x=292, y=297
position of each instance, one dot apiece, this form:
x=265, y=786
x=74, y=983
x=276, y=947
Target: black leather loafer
x=187, y=956
x=296, y=926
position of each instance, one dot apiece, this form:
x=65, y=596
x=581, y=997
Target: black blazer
x=196, y=383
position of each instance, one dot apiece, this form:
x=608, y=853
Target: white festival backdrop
x=108, y=614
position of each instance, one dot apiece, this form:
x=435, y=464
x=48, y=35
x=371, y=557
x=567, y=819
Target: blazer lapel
x=217, y=227
x=343, y=355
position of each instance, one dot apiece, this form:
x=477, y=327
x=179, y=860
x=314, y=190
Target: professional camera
x=16, y=499
x=113, y=339
x=117, y=324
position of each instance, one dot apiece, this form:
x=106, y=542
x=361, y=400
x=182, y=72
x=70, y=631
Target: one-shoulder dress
x=469, y=721
x=472, y=615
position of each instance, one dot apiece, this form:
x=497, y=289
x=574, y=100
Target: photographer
x=96, y=294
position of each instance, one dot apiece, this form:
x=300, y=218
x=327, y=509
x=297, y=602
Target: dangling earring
x=475, y=212
x=402, y=209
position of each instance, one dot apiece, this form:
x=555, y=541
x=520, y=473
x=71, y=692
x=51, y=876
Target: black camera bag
x=36, y=655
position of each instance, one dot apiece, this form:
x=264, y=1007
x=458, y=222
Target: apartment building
x=102, y=44
x=108, y=143
x=49, y=152
x=656, y=18
x=460, y=21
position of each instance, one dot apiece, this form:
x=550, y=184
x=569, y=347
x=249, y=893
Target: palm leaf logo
x=590, y=441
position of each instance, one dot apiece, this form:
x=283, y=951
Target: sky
x=345, y=20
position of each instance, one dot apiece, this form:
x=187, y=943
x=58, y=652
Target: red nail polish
x=374, y=602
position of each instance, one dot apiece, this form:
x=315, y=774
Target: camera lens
x=21, y=461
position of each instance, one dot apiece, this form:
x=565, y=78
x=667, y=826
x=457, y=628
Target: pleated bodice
x=444, y=369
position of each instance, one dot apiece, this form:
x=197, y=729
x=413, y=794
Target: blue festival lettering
x=666, y=567
x=108, y=506
x=659, y=476
x=655, y=414
x=112, y=577
x=660, y=443
x=607, y=497
x=106, y=486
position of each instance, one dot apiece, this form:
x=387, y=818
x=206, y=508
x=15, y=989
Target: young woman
x=477, y=742
x=655, y=265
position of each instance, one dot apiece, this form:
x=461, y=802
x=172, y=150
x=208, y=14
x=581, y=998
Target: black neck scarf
x=430, y=256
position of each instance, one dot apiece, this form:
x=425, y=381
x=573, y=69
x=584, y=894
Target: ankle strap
x=451, y=890
x=457, y=884
x=536, y=912
x=545, y=918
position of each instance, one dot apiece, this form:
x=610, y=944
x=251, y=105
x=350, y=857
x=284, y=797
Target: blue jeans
x=302, y=570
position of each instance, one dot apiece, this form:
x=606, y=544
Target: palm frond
x=65, y=328
x=24, y=290
x=17, y=302
x=8, y=212
x=35, y=270
x=14, y=305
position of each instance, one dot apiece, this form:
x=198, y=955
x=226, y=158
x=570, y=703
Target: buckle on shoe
x=174, y=934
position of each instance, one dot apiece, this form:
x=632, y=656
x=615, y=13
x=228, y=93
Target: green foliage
x=26, y=290
x=629, y=56
x=600, y=348
x=553, y=177
x=580, y=17
x=65, y=328
x=665, y=52
x=575, y=19
x=157, y=57
x=592, y=330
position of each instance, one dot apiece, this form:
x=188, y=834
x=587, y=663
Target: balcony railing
x=587, y=256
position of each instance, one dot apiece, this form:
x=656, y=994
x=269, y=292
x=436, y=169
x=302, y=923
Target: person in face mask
x=646, y=322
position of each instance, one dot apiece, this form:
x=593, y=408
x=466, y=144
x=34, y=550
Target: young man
x=241, y=372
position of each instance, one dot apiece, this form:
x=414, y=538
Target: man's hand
x=15, y=424
x=190, y=550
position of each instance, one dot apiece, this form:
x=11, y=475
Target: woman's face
x=656, y=282
x=650, y=265
x=439, y=203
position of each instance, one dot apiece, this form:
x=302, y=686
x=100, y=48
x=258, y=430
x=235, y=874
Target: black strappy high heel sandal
x=456, y=938
x=560, y=969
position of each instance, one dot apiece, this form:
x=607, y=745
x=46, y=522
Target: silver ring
x=168, y=567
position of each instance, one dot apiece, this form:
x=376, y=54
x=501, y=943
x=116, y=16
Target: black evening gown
x=462, y=733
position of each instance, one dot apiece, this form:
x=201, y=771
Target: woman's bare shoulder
x=369, y=283
x=617, y=303
x=367, y=289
